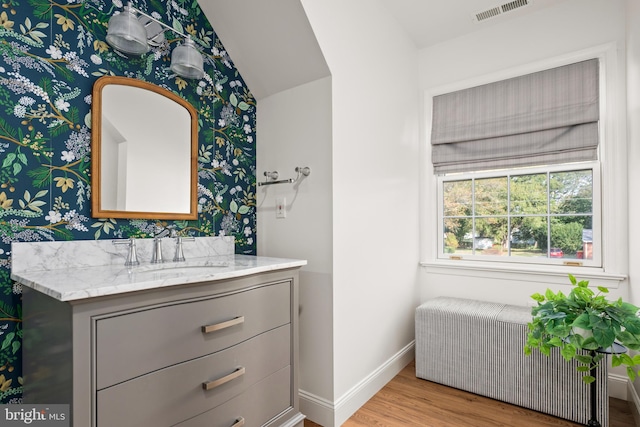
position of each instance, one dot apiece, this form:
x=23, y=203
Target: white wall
x=375, y=191
x=294, y=129
x=633, y=135
x=554, y=32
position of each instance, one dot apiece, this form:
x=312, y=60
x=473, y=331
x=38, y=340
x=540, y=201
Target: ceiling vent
x=499, y=10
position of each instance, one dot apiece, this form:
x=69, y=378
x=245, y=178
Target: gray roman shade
x=547, y=117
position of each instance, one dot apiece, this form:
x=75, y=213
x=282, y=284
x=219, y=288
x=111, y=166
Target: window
x=528, y=215
x=539, y=134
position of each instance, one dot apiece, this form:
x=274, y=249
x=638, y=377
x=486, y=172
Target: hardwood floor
x=409, y=401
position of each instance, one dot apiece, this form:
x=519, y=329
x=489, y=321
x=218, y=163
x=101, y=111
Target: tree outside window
x=534, y=215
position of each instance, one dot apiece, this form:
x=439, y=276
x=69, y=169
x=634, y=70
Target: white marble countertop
x=86, y=282
x=72, y=282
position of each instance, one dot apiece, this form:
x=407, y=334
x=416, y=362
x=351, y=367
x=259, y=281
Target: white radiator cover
x=477, y=346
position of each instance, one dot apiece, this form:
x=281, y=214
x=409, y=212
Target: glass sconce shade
x=186, y=61
x=127, y=34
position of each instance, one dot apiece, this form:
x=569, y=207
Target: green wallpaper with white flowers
x=51, y=53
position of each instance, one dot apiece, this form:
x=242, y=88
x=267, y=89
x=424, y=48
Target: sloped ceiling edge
x=270, y=42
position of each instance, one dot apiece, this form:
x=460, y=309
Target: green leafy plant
x=581, y=323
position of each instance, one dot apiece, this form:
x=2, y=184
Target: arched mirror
x=144, y=146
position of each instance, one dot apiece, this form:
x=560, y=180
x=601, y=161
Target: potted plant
x=585, y=320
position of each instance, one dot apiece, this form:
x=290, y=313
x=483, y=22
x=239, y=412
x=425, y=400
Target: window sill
x=552, y=275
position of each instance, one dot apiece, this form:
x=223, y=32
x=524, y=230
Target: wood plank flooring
x=409, y=401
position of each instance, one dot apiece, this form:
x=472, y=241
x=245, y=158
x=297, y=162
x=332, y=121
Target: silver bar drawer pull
x=223, y=325
x=239, y=422
x=217, y=383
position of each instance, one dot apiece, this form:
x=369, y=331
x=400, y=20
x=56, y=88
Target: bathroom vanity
x=211, y=341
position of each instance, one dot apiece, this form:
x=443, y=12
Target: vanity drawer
x=253, y=408
x=174, y=394
x=134, y=344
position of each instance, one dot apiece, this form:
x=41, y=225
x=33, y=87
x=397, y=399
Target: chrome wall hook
x=305, y=170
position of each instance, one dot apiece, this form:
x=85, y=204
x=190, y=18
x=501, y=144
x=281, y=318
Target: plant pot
x=584, y=333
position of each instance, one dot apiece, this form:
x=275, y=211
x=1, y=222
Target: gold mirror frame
x=97, y=209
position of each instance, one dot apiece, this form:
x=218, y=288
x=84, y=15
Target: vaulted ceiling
x=270, y=41
x=274, y=47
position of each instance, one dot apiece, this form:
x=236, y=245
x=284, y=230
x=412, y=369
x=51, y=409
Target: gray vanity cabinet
x=220, y=353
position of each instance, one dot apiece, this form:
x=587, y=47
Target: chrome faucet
x=132, y=256
x=156, y=255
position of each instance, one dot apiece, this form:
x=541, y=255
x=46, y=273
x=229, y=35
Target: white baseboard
x=634, y=399
x=333, y=414
x=617, y=385
x=316, y=408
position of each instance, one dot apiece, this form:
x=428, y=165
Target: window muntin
x=544, y=215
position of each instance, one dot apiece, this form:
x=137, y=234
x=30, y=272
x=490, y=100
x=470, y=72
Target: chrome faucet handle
x=179, y=256
x=132, y=256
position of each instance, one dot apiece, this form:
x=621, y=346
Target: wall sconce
x=127, y=33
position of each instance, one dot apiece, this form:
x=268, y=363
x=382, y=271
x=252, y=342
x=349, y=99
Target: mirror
x=144, y=146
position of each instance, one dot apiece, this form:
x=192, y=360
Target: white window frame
x=596, y=214
x=612, y=155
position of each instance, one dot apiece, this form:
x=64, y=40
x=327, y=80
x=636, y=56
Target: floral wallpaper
x=51, y=53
